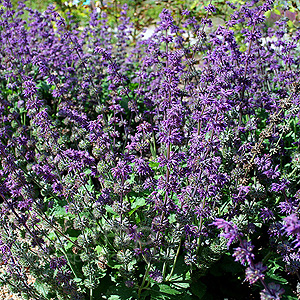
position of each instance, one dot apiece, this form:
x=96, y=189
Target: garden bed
x=162, y=167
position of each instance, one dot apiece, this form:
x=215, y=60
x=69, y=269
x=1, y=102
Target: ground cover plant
x=164, y=170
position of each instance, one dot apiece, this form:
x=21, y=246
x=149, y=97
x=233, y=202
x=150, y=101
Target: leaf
x=138, y=202
x=131, y=180
x=164, y=288
x=164, y=291
x=41, y=288
x=52, y=236
x=99, y=249
x=277, y=12
x=180, y=284
x=172, y=218
x=70, y=245
x=85, y=187
x=109, y=209
x=59, y=211
x=290, y=23
x=194, y=4
x=121, y=292
x=87, y=171
x=198, y=289
x=268, y=14
x=230, y=266
x=181, y=267
x=114, y=297
x=113, y=264
x=153, y=165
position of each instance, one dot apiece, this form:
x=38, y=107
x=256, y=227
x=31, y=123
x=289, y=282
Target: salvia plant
x=167, y=169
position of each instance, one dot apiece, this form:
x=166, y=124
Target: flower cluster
x=117, y=155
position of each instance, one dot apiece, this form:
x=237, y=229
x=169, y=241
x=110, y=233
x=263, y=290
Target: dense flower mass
x=131, y=167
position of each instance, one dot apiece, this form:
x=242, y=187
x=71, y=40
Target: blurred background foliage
x=145, y=13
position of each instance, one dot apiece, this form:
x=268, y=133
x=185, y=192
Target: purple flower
x=292, y=225
x=281, y=186
x=230, y=230
x=254, y=273
x=185, y=12
x=57, y=262
x=243, y=253
x=105, y=54
x=166, y=20
x=156, y=275
x=122, y=170
x=286, y=207
x=272, y=172
x=29, y=88
x=266, y=214
x=273, y=292
x=141, y=167
x=210, y=8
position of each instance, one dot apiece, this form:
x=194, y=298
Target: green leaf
x=109, y=209
x=131, y=180
x=181, y=267
x=277, y=12
x=268, y=14
x=99, y=249
x=120, y=291
x=41, y=288
x=70, y=245
x=172, y=218
x=114, y=297
x=165, y=292
x=230, y=266
x=290, y=23
x=77, y=280
x=164, y=288
x=138, y=202
x=114, y=264
x=180, y=284
x=87, y=171
x=198, y=289
x=153, y=165
x=59, y=212
x=194, y=4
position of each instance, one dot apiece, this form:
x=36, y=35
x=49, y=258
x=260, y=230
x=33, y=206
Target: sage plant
x=130, y=169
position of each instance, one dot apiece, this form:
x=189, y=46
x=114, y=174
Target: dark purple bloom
x=122, y=170
x=292, y=225
x=254, y=273
x=57, y=262
x=230, y=230
x=29, y=88
x=273, y=292
x=266, y=214
x=156, y=275
x=210, y=8
x=243, y=253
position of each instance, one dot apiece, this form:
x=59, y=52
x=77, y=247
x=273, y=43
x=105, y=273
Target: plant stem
x=175, y=260
x=91, y=290
x=144, y=279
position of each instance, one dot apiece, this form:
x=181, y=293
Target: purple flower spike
x=273, y=292
x=156, y=275
x=29, y=88
x=210, y=8
x=255, y=273
x=230, y=231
